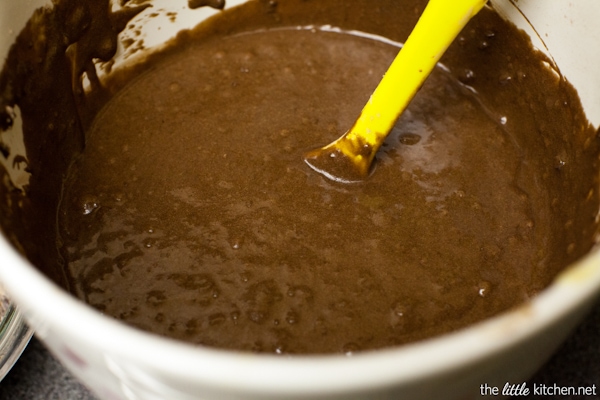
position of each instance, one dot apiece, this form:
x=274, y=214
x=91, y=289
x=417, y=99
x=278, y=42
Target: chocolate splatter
x=218, y=4
x=52, y=129
x=99, y=39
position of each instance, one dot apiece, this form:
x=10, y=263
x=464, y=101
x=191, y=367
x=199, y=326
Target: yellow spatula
x=349, y=158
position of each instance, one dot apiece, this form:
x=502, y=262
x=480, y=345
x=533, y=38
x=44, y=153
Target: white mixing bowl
x=119, y=362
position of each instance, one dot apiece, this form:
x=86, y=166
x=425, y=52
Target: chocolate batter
x=191, y=213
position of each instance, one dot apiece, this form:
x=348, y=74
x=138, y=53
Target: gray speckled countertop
x=38, y=376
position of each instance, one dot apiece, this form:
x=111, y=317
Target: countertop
x=38, y=376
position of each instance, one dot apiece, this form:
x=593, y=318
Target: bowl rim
x=578, y=285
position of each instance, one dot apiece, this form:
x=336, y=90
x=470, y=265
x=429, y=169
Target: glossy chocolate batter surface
x=203, y=223
x=190, y=212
